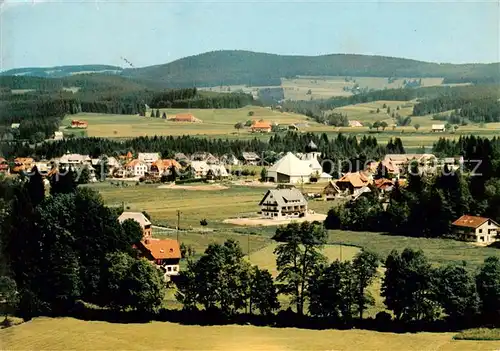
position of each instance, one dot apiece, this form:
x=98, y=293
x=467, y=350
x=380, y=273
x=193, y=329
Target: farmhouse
x=79, y=124
x=250, y=158
x=136, y=168
x=355, y=124
x=199, y=168
x=216, y=172
x=438, y=128
x=283, y=203
x=331, y=191
x=75, y=160
x=261, y=127
x=205, y=156
x=139, y=218
x=164, y=253
x=230, y=160
x=164, y=166
x=185, y=117
x=384, y=184
x=477, y=229
x=353, y=183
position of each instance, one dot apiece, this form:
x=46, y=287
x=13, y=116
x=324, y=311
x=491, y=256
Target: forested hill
x=61, y=71
x=234, y=67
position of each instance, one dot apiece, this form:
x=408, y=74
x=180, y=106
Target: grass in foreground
x=69, y=333
x=478, y=334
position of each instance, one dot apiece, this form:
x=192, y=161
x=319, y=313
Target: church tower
x=311, y=152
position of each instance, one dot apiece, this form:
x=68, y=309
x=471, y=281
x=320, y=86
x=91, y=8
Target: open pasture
x=325, y=87
x=216, y=122
x=214, y=206
x=73, y=334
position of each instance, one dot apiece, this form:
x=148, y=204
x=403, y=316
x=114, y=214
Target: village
x=284, y=199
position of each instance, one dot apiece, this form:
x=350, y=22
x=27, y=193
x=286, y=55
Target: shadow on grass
x=283, y=319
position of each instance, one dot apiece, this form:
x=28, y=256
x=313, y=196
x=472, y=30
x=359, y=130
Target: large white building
x=291, y=169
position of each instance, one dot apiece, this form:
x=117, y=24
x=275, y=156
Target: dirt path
x=208, y=187
x=269, y=222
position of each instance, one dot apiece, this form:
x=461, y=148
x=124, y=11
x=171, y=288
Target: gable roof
x=261, y=125
x=136, y=216
x=331, y=187
x=167, y=163
x=199, y=166
x=471, y=221
x=438, y=126
x=357, y=179
x=283, y=196
x=162, y=248
x=143, y=156
x=250, y=156
x=291, y=165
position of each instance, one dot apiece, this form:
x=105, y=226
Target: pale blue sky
x=49, y=33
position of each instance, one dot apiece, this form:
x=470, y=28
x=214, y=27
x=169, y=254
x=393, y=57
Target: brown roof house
x=353, y=183
x=261, y=127
x=331, y=191
x=165, y=254
x=283, y=204
x=476, y=229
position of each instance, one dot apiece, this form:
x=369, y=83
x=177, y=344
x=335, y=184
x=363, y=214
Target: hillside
x=251, y=68
x=61, y=71
x=236, y=67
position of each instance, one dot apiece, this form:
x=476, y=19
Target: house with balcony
x=476, y=229
x=283, y=203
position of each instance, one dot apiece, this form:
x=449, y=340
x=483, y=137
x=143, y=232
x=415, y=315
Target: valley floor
x=69, y=333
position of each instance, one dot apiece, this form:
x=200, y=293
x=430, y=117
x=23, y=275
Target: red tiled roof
x=358, y=180
x=383, y=183
x=162, y=248
x=167, y=163
x=133, y=163
x=261, y=125
x=470, y=221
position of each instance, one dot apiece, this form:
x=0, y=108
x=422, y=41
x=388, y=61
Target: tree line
x=339, y=147
x=430, y=202
x=53, y=257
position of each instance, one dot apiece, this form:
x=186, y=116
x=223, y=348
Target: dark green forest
x=233, y=67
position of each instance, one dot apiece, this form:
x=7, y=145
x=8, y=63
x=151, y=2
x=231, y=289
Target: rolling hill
x=251, y=68
x=61, y=71
x=236, y=67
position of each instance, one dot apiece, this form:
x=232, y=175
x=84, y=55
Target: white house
x=283, y=203
x=136, y=168
x=148, y=158
x=477, y=229
x=58, y=136
x=75, y=160
x=438, y=128
x=199, y=168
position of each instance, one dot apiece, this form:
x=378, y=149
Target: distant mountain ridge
x=61, y=71
x=236, y=67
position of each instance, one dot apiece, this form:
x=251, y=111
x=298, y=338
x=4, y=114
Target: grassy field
x=478, y=334
x=218, y=122
x=438, y=251
x=72, y=334
x=215, y=205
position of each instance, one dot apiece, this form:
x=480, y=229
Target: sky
x=43, y=33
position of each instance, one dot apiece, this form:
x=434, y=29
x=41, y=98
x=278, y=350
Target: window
x=169, y=269
x=480, y=230
x=175, y=269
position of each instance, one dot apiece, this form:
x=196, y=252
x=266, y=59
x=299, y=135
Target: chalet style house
x=165, y=254
x=283, y=203
x=476, y=229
